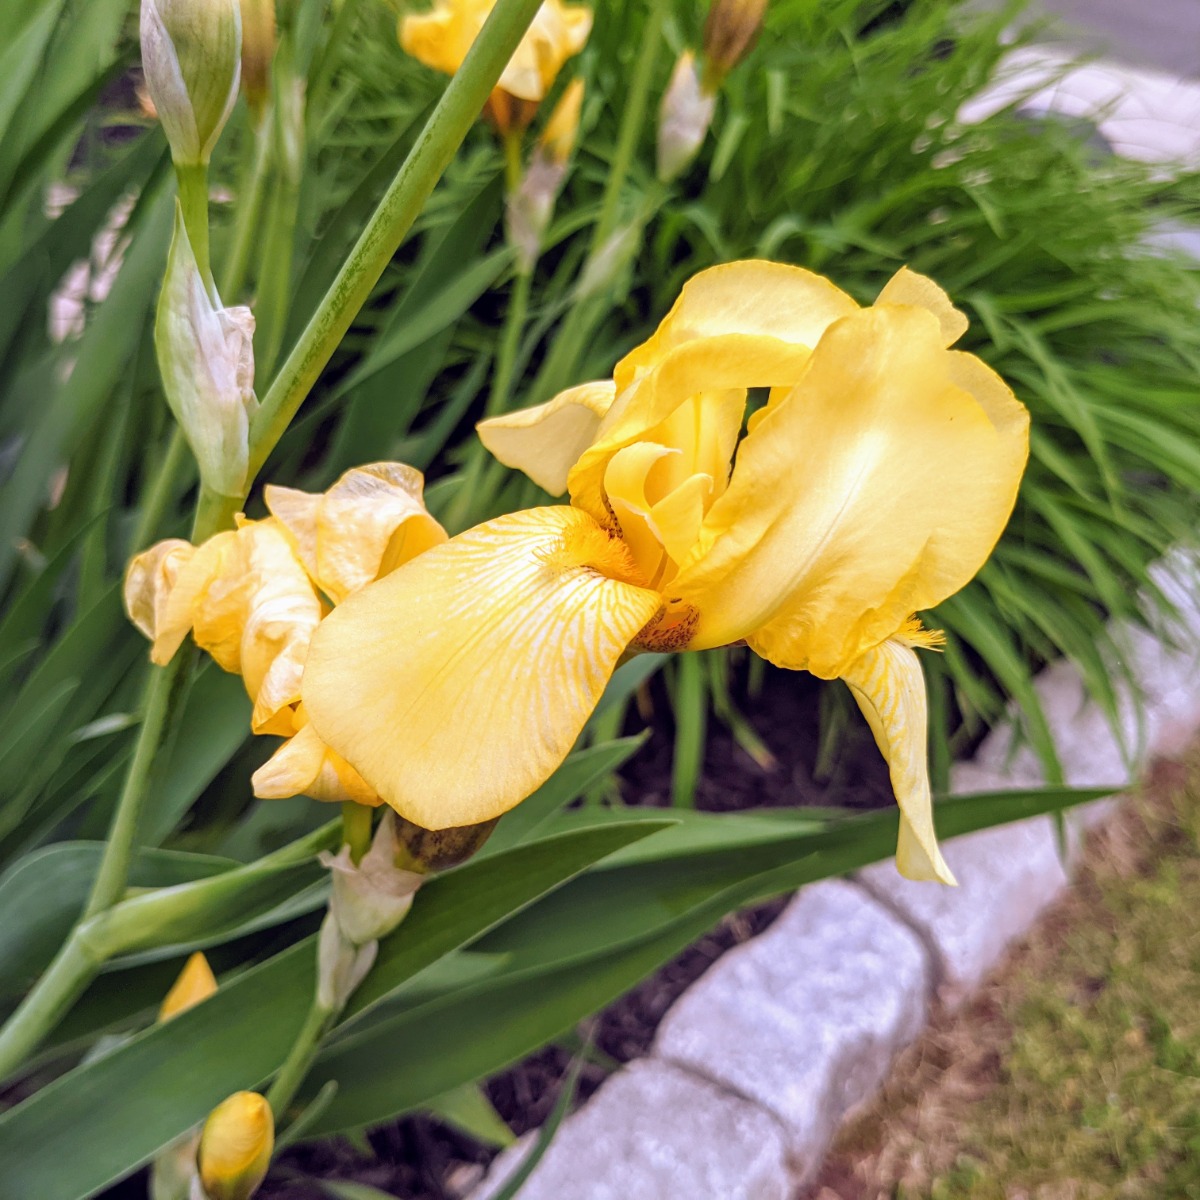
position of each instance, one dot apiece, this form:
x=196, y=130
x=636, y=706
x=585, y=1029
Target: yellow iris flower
x=441, y=38
x=872, y=484
x=254, y=596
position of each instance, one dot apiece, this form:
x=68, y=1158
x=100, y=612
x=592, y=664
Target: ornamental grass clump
x=613, y=277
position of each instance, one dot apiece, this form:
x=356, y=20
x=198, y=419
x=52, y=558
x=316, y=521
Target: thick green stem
x=356, y=828
x=193, y=200
x=63, y=982
x=165, y=480
x=435, y=147
x=300, y=1058
x=563, y=359
x=247, y=219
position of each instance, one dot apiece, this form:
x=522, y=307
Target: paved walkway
x=1148, y=33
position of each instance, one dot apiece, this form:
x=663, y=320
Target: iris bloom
x=872, y=484
x=254, y=596
x=441, y=38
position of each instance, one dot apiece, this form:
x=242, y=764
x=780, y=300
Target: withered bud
x=730, y=32
x=258, y=52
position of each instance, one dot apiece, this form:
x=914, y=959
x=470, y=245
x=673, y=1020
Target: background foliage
x=835, y=147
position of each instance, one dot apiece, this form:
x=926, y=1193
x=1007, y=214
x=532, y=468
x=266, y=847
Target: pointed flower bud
x=531, y=204
x=206, y=356
x=258, y=52
x=730, y=32
x=235, y=1147
x=196, y=982
x=683, y=121
x=191, y=56
x=558, y=138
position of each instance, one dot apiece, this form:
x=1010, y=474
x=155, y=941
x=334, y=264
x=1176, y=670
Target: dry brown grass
x=1074, y=1074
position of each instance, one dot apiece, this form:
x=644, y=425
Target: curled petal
x=456, y=685
x=545, y=441
x=890, y=689
x=370, y=522
x=249, y=602
x=149, y=580
x=919, y=291
x=305, y=766
x=876, y=489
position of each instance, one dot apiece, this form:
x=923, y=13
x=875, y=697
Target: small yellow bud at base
x=235, y=1147
x=196, y=982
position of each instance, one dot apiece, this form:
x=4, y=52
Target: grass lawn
x=1075, y=1074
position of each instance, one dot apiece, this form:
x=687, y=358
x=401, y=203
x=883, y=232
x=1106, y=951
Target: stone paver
x=1006, y=877
x=806, y=1018
x=656, y=1132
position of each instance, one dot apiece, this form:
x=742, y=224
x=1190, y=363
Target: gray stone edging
x=757, y=1065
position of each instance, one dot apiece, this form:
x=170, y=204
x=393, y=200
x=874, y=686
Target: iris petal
x=456, y=685
x=890, y=689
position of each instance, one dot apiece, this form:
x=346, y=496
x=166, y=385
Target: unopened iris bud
x=206, y=357
x=235, y=1147
x=191, y=56
x=531, y=204
x=730, y=32
x=683, y=121
x=258, y=52
x=558, y=138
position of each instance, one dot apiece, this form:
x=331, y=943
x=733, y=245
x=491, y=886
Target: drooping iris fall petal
x=458, y=684
x=890, y=689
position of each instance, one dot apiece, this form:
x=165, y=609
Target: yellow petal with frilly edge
x=370, y=522
x=876, y=489
x=890, y=689
x=459, y=683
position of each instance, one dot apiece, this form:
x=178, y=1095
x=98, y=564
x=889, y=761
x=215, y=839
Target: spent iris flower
x=441, y=38
x=254, y=596
x=872, y=484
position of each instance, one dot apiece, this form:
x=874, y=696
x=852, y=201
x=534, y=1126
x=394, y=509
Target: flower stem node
x=191, y=56
x=236, y=1146
x=684, y=118
x=206, y=356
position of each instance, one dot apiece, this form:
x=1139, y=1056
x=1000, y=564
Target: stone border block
x=1006, y=878
x=656, y=1132
x=806, y=1018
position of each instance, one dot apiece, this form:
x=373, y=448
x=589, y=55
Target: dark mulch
x=419, y=1158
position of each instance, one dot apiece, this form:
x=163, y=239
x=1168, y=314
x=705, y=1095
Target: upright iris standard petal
x=890, y=689
x=876, y=489
x=458, y=684
x=744, y=325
